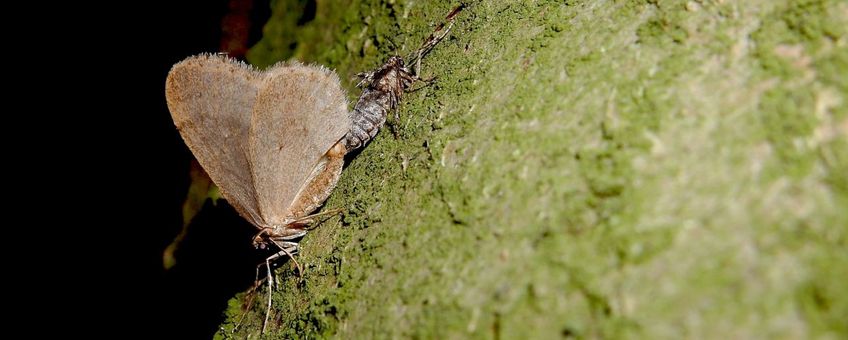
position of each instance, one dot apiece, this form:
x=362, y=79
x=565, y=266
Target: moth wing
x=300, y=112
x=210, y=98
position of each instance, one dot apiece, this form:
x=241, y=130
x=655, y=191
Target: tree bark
x=597, y=169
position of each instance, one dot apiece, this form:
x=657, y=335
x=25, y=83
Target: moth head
x=259, y=242
x=395, y=61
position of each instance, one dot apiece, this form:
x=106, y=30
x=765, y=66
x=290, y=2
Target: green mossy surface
x=587, y=169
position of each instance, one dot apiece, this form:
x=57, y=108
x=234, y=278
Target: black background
x=142, y=166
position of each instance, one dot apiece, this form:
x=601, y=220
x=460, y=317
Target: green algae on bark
x=581, y=169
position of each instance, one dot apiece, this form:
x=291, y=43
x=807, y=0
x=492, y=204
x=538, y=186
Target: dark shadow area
x=309, y=11
x=216, y=260
x=259, y=15
x=350, y=156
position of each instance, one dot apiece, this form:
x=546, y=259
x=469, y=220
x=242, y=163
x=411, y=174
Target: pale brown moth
x=269, y=140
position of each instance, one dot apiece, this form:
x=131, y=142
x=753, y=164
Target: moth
x=383, y=87
x=268, y=139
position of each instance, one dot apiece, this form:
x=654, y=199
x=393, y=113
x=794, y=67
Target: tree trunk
x=597, y=169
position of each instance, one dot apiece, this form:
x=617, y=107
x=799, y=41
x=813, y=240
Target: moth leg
x=392, y=125
x=365, y=78
x=427, y=82
x=288, y=249
x=268, y=260
x=296, y=235
x=311, y=218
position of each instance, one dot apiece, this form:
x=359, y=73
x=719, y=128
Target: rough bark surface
x=598, y=169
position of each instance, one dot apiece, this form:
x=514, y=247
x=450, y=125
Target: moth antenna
x=394, y=46
x=433, y=39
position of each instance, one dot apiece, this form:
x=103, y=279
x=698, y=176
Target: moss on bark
x=631, y=169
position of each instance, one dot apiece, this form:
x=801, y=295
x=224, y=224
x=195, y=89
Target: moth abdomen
x=368, y=116
x=383, y=89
